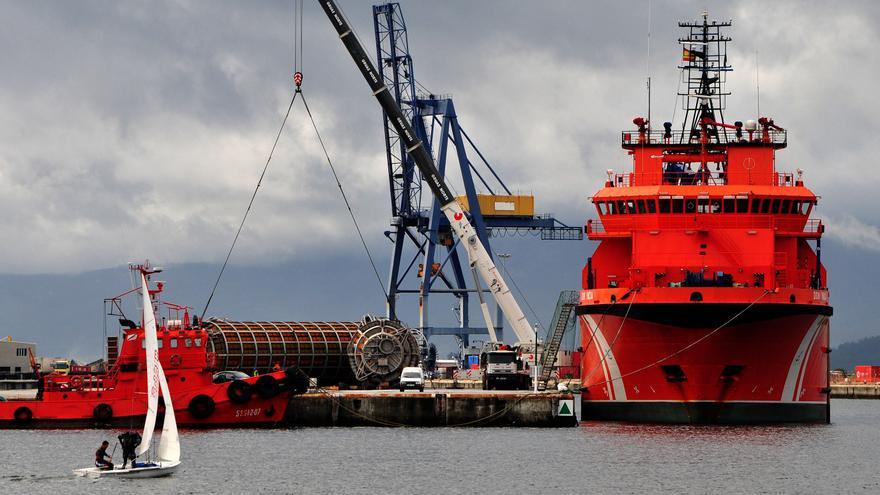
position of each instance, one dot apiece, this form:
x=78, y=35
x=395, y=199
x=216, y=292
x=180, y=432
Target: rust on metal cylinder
x=319, y=348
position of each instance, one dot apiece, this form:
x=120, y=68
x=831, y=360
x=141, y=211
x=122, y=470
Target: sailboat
x=167, y=456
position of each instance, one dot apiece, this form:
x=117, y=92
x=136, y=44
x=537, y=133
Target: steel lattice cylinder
x=374, y=349
x=318, y=348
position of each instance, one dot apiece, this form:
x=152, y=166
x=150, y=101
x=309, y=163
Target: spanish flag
x=688, y=55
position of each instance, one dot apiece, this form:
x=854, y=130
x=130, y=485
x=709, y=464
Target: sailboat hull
x=156, y=470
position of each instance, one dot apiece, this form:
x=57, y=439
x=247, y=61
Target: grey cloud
x=126, y=119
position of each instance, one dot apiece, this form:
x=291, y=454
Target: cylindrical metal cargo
x=381, y=349
x=374, y=350
x=319, y=348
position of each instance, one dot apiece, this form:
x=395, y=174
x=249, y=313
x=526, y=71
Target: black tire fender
x=297, y=380
x=239, y=391
x=267, y=386
x=201, y=406
x=23, y=415
x=103, y=412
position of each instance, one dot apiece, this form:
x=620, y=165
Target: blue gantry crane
x=424, y=247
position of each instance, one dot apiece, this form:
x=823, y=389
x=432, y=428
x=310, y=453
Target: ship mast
x=704, y=71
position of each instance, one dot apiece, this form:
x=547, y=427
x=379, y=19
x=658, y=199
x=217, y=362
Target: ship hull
x=681, y=363
x=126, y=404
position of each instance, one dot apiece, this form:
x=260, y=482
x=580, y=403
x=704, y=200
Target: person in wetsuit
x=129, y=442
x=100, y=455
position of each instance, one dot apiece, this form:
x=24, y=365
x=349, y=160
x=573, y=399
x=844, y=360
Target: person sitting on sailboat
x=100, y=455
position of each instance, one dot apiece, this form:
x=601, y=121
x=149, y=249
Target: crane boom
x=451, y=208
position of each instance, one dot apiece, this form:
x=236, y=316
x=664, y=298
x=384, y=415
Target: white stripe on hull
x=612, y=371
x=798, y=362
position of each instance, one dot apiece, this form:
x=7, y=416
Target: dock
x=435, y=407
x=855, y=391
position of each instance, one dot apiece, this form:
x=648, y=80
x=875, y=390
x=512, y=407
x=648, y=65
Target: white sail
x=154, y=368
x=169, y=442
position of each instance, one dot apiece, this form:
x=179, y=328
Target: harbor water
x=592, y=458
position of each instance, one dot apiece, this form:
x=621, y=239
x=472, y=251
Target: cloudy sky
x=133, y=129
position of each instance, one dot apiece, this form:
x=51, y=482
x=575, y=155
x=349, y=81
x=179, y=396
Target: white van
x=412, y=377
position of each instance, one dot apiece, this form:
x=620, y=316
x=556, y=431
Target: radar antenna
x=704, y=71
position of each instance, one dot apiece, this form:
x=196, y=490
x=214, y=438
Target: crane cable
x=298, y=77
x=344, y=197
x=521, y=294
x=250, y=204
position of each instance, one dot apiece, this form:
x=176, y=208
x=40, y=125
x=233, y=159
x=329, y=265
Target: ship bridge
x=704, y=207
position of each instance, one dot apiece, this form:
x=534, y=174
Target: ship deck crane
x=479, y=257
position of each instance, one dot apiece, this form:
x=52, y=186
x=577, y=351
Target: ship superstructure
x=705, y=301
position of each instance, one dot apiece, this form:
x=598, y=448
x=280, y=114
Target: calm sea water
x=593, y=458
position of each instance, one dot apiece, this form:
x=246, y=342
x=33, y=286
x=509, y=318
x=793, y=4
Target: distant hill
x=850, y=354
x=63, y=314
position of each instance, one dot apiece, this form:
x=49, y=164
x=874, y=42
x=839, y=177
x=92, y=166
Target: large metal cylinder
x=381, y=349
x=318, y=348
x=374, y=349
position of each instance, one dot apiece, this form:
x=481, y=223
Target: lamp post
x=535, y=379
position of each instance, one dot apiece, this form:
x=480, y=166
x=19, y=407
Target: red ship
x=119, y=396
x=704, y=301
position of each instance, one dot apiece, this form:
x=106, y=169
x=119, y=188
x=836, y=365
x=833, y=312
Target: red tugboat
x=202, y=397
x=704, y=301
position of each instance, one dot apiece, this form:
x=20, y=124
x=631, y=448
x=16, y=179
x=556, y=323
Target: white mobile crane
x=506, y=365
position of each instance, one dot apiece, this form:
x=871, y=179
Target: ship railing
x=723, y=136
x=684, y=178
x=86, y=383
x=785, y=179
x=690, y=178
x=594, y=226
x=680, y=221
x=813, y=226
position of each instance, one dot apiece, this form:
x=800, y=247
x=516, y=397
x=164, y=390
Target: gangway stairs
x=568, y=300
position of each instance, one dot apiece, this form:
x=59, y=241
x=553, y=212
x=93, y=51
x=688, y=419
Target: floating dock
x=436, y=407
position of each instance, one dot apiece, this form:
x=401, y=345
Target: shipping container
x=503, y=205
x=867, y=374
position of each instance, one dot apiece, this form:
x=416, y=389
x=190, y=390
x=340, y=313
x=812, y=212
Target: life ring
x=23, y=415
x=76, y=382
x=175, y=361
x=103, y=413
x=267, y=386
x=201, y=406
x=239, y=391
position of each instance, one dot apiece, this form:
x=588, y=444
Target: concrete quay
x=437, y=407
x=855, y=391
